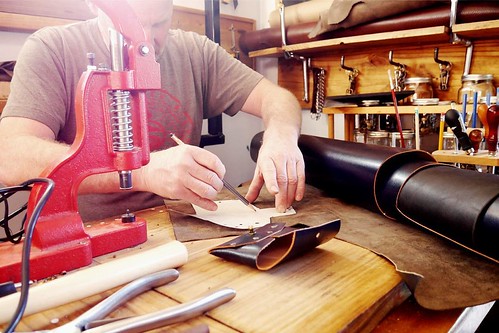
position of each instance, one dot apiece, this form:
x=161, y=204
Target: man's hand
x=184, y=172
x=281, y=167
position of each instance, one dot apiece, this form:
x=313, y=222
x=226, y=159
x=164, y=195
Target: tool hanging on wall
x=233, y=48
x=289, y=55
x=399, y=71
x=445, y=68
x=319, y=94
x=352, y=76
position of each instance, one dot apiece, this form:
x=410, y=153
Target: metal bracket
x=400, y=72
x=289, y=55
x=352, y=75
x=445, y=68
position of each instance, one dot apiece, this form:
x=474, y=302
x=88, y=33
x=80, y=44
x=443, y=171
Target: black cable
x=30, y=228
x=5, y=194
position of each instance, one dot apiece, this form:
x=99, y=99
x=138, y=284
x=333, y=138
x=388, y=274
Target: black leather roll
x=452, y=202
x=344, y=169
x=393, y=174
x=486, y=234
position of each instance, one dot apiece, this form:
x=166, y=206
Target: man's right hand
x=184, y=172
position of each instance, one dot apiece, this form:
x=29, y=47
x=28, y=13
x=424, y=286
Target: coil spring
x=121, y=120
x=319, y=92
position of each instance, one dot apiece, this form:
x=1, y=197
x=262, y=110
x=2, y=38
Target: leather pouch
x=275, y=242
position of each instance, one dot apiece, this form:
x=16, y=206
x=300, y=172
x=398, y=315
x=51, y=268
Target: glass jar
x=480, y=83
x=359, y=136
x=449, y=141
x=394, y=139
x=422, y=87
x=378, y=138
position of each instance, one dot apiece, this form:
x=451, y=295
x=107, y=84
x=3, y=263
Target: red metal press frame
x=61, y=242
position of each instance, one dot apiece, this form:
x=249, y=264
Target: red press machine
x=108, y=102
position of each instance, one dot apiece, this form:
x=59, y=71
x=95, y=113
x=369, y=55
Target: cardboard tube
x=96, y=279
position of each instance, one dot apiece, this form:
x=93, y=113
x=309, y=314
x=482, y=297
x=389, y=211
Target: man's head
x=154, y=15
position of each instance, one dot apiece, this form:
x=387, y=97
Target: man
x=199, y=80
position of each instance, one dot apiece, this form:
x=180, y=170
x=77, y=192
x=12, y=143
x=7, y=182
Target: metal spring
x=320, y=92
x=121, y=120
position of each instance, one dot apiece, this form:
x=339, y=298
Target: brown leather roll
x=274, y=243
x=427, y=17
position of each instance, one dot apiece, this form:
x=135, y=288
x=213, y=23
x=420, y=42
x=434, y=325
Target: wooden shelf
x=481, y=158
x=270, y=52
x=432, y=34
x=403, y=109
x=477, y=30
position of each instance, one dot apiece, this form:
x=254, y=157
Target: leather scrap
x=274, y=243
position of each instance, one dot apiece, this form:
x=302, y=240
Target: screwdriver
x=455, y=122
x=8, y=288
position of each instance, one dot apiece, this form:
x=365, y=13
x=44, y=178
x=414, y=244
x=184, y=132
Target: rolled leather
x=406, y=185
x=460, y=205
x=274, y=243
x=427, y=17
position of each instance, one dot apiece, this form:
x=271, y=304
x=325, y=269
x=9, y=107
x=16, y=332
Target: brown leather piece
x=428, y=17
x=275, y=243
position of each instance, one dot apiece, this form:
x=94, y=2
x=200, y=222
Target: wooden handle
x=96, y=279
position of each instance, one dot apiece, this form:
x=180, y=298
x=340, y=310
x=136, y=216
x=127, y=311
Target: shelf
x=432, y=34
x=477, y=30
x=403, y=109
x=481, y=158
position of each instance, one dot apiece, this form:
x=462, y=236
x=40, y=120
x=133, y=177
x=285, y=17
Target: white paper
x=235, y=214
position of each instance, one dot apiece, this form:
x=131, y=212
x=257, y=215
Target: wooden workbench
x=336, y=287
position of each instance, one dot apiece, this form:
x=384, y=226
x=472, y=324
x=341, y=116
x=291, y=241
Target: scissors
x=92, y=321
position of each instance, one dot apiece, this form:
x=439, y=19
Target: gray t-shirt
x=199, y=80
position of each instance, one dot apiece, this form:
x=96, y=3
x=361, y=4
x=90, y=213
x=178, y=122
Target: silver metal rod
x=116, y=44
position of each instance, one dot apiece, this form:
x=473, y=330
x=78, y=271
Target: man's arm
x=183, y=172
x=280, y=162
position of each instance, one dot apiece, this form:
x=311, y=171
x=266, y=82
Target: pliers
x=92, y=320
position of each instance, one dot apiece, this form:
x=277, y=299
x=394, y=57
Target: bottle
x=449, y=141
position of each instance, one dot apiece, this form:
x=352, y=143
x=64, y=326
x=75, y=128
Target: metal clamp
x=445, y=68
x=352, y=75
x=400, y=72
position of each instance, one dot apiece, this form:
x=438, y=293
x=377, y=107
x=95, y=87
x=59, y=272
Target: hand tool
x=482, y=115
x=228, y=186
x=455, y=122
x=90, y=320
x=395, y=105
x=493, y=121
x=476, y=137
x=106, y=102
x=96, y=279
